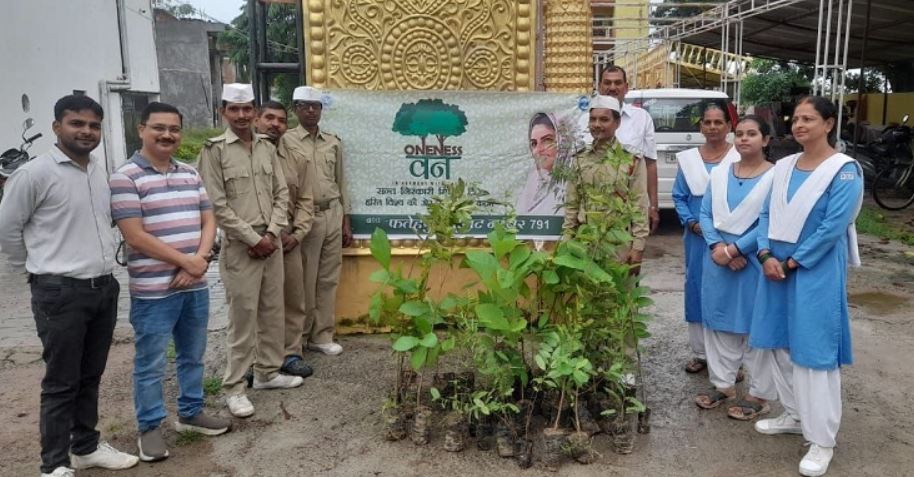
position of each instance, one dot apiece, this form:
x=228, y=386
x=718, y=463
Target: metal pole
x=300, y=33
x=815, y=76
x=860, y=82
x=252, y=45
x=847, y=34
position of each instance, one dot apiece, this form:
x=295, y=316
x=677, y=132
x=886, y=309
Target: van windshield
x=673, y=114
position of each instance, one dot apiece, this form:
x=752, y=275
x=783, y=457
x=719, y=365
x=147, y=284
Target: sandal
x=715, y=398
x=747, y=410
x=696, y=365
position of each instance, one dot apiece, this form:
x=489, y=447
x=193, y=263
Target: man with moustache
x=163, y=211
x=245, y=184
x=635, y=133
x=330, y=232
x=55, y=220
x=299, y=173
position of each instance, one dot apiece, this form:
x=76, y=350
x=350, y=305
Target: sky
x=222, y=10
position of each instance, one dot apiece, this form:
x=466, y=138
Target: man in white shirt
x=636, y=133
x=55, y=220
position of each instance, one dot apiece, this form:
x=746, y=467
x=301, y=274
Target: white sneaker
x=239, y=405
x=783, y=424
x=61, y=472
x=106, y=457
x=815, y=462
x=330, y=349
x=280, y=381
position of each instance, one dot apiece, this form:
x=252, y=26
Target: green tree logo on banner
x=430, y=117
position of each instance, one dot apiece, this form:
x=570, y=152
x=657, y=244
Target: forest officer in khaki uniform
x=330, y=231
x=244, y=180
x=272, y=120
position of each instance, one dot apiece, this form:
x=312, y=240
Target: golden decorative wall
x=568, y=59
x=420, y=44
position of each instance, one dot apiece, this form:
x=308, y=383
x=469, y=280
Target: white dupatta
x=738, y=220
x=694, y=171
x=786, y=218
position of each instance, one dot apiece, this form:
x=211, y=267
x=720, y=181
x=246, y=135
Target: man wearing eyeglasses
x=163, y=211
x=330, y=231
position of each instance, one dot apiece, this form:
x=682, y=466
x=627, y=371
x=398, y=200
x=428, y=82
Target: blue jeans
x=183, y=316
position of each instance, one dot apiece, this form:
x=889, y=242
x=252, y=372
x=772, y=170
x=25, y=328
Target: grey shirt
x=55, y=217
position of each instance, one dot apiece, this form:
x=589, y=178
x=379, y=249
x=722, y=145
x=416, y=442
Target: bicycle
x=893, y=187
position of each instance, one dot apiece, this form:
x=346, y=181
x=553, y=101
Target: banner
x=401, y=147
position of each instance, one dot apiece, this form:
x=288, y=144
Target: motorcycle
x=12, y=158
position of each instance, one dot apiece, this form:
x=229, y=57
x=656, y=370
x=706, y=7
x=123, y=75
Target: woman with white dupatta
x=806, y=239
x=691, y=182
x=730, y=274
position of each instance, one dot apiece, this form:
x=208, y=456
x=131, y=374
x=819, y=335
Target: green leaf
x=492, y=317
x=379, y=276
x=405, y=343
x=448, y=303
x=380, y=247
x=483, y=263
x=436, y=394
x=430, y=340
x=417, y=360
x=448, y=344
x=540, y=361
x=414, y=308
x=374, y=309
x=404, y=285
x=550, y=277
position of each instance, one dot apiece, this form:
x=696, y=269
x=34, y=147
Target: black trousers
x=75, y=323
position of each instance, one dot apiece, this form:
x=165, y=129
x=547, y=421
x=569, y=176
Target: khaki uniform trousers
x=294, y=296
x=323, y=259
x=253, y=290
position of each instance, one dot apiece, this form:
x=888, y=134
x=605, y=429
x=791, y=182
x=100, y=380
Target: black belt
x=324, y=206
x=62, y=281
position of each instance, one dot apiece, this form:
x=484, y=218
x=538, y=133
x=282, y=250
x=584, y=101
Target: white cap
x=306, y=93
x=604, y=102
x=237, y=93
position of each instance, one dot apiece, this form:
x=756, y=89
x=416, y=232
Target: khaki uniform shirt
x=247, y=189
x=299, y=173
x=592, y=168
x=325, y=150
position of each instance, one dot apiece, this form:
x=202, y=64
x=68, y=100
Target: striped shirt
x=169, y=204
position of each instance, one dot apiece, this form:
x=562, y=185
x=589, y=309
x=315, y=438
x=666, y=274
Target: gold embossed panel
x=420, y=44
x=568, y=60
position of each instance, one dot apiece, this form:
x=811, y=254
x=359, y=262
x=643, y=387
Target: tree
x=430, y=116
x=771, y=82
x=281, y=46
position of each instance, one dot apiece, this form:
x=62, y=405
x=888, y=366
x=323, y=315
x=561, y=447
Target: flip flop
x=749, y=409
x=715, y=398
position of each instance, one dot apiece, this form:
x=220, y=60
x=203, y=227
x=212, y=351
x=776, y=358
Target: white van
x=676, y=113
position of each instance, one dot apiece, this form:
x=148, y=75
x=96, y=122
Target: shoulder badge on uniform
x=213, y=140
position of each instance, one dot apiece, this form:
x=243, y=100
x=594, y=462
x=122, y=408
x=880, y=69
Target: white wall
x=49, y=48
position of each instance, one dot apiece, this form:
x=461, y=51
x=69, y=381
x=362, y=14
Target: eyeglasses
x=307, y=105
x=162, y=129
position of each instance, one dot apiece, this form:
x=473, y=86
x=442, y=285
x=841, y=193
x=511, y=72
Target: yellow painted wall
x=899, y=104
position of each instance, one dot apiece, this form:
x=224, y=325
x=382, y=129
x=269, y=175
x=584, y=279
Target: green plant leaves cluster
x=565, y=320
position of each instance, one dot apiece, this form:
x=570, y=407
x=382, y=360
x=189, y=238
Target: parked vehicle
x=12, y=158
x=676, y=113
x=893, y=164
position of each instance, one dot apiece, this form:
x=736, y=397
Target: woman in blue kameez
x=688, y=189
x=806, y=239
x=730, y=273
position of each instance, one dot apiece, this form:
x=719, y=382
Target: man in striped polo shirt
x=163, y=211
